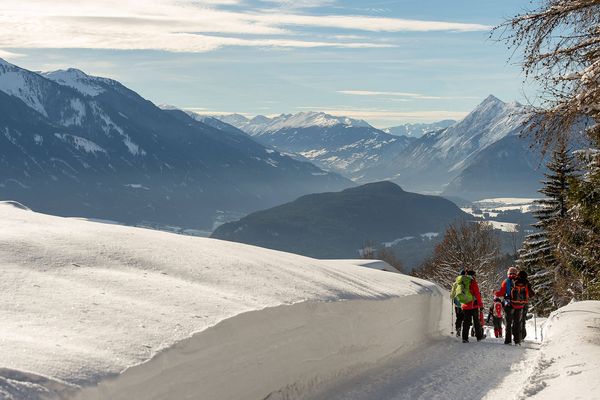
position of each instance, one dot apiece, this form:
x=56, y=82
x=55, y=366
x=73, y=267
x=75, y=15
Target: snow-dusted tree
x=466, y=245
x=560, y=41
x=538, y=255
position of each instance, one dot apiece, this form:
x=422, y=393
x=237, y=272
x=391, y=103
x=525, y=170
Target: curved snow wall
x=282, y=352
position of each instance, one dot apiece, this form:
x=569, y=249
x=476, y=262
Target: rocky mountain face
x=332, y=225
x=78, y=145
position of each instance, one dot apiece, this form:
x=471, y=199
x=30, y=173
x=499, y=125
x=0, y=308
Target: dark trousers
x=472, y=316
x=460, y=316
x=514, y=321
x=524, y=322
x=497, y=326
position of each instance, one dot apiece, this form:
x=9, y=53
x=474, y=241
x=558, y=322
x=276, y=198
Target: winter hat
x=497, y=299
x=471, y=272
x=463, y=272
x=512, y=271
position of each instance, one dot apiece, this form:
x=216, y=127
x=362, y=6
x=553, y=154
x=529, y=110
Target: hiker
x=457, y=309
x=466, y=290
x=515, y=294
x=495, y=314
x=523, y=275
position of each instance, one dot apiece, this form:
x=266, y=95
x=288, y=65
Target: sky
x=386, y=61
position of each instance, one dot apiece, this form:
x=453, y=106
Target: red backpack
x=519, y=295
x=498, y=309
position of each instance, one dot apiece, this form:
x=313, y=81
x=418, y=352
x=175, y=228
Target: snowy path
x=447, y=369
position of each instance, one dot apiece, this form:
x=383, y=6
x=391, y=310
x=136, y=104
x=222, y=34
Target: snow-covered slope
x=338, y=144
x=435, y=159
x=98, y=311
x=568, y=365
x=418, y=130
x=260, y=124
x=74, y=144
x=79, y=80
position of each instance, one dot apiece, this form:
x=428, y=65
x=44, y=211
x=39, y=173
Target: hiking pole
x=452, y=318
x=535, y=324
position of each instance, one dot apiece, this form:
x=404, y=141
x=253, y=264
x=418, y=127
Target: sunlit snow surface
x=82, y=301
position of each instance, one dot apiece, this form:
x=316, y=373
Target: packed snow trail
x=447, y=369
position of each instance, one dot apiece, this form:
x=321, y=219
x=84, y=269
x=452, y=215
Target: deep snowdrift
x=91, y=310
x=568, y=365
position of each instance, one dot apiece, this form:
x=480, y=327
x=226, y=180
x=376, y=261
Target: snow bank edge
x=285, y=351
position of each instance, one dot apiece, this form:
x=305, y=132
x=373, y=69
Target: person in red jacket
x=471, y=311
x=515, y=294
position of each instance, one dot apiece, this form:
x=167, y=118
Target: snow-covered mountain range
x=427, y=158
x=260, y=124
x=418, y=130
x=431, y=162
x=338, y=144
x=74, y=144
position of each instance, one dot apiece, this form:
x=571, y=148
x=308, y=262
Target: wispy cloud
x=406, y=95
x=10, y=54
x=300, y=3
x=185, y=25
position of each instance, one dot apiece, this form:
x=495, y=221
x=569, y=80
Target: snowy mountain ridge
x=489, y=122
x=418, y=130
x=261, y=125
x=74, y=144
x=79, y=80
x=22, y=84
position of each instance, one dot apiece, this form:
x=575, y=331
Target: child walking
x=496, y=314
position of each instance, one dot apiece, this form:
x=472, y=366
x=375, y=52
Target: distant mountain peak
x=491, y=99
x=78, y=80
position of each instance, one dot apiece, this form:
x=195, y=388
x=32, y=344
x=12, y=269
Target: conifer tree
x=538, y=254
x=560, y=42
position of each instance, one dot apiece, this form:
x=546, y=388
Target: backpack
x=518, y=294
x=498, y=310
x=461, y=289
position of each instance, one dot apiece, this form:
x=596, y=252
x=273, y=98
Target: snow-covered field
x=506, y=203
x=102, y=311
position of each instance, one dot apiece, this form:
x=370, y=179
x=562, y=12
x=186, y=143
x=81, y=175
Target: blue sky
x=386, y=61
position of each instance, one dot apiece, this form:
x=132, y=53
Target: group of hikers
x=510, y=305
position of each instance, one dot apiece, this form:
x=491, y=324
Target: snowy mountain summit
x=261, y=125
x=78, y=80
